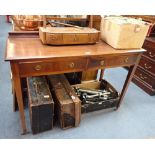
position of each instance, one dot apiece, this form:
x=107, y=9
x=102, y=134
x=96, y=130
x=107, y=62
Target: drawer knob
x=102, y=63
x=37, y=67
x=71, y=65
x=126, y=60
x=151, y=55
x=147, y=67
x=143, y=77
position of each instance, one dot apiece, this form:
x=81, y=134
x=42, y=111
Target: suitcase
x=112, y=102
x=67, y=103
x=41, y=105
x=68, y=35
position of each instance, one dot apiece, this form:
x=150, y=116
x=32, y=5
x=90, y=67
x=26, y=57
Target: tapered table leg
x=18, y=91
x=101, y=74
x=15, y=104
x=128, y=80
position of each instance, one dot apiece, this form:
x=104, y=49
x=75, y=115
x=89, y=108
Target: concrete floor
x=134, y=119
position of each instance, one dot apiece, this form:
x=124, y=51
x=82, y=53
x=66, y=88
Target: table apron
x=37, y=68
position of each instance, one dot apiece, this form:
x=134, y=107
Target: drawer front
x=148, y=65
x=149, y=45
x=145, y=77
x=93, y=38
x=150, y=53
x=111, y=61
x=143, y=86
x=54, y=39
x=75, y=38
x=59, y=39
x=43, y=68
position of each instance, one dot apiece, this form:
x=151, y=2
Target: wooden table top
x=24, y=48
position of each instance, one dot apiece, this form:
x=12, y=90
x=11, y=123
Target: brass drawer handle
x=54, y=38
x=126, y=60
x=143, y=77
x=76, y=38
x=102, y=63
x=71, y=65
x=38, y=67
x=147, y=67
x=152, y=56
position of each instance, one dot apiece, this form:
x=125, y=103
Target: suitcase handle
x=77, y=114
x=37, y=87
x=77, y=108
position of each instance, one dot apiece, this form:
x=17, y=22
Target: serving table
x=29, y=57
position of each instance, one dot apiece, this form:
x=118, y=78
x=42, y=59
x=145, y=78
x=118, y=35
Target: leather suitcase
x=41, y=105
x=105, y=104
x=68, y=35
x=67, y=103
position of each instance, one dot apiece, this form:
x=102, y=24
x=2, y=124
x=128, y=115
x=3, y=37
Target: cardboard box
x=123, y=32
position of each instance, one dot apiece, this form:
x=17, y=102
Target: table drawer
x=145, y=77
x=111, y=61
x=42, y=68
x=147, y=64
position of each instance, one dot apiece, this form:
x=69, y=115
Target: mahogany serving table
x=29, y=57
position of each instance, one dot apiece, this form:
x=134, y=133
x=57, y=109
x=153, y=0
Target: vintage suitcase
x=123, y=32
x=41, y=104
x=67, y=103
x=89, y=105
x=68, y=35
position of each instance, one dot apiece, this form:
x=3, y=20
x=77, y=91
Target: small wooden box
x=67, y=103
x=41, y=104
x=68, y=35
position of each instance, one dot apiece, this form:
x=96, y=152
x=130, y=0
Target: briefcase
x=68, y=35
x=41, y=105
x=67, y=103
x=110, y=103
